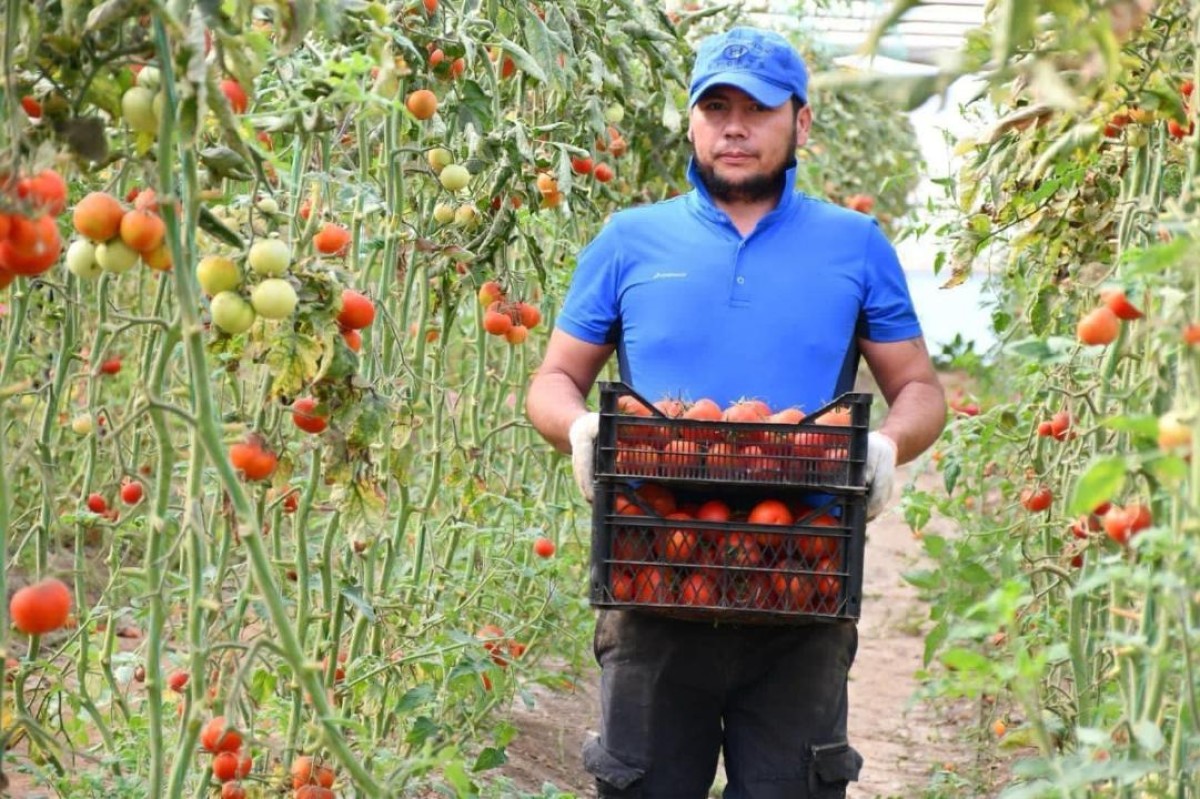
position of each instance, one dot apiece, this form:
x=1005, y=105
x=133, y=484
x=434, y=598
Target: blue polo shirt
x=697, y=310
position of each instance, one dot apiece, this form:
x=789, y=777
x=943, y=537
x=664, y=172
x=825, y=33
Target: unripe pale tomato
x=137, y=108
x=216, y=274
x=81, y=260
x=466, y=215
x=443, y=213
x=274, y=298
x=439, y=158
x=149, y=77
x=454, y=177
x=269, y=257
x=231, y=314
x=116, y=256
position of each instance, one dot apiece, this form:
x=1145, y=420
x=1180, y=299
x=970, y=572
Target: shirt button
x=741, y=280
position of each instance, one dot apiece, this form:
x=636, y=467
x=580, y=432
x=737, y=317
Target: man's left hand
x=880, y=472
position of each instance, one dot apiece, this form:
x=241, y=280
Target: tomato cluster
x=29, y=238
x=229, y=763
x=771, y=555
x=511, y=321
x=1101, y=326
x=746, y=441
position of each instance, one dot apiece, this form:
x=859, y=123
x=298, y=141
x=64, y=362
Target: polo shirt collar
x=702, y=203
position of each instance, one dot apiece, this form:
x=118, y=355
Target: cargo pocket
x=831, y=768
x=615, y=777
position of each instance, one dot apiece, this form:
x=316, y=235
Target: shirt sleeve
x=888, y=313
x=591, y=310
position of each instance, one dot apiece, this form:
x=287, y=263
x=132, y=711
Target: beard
x=750, y=189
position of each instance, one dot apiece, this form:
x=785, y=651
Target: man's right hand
x=583, y=445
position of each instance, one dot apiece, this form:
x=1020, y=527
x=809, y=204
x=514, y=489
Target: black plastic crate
x=646, y=555
x=827, y=449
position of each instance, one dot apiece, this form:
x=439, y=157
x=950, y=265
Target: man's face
x=742, y=147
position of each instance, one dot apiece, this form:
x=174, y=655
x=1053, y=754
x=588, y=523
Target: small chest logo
x=665, y=275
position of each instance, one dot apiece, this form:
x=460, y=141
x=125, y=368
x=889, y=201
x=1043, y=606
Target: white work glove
x=583, y=445
x=880, y=472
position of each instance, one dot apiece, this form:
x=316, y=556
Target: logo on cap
x=735, y=51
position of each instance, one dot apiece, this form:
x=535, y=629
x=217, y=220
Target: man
x=741, y=288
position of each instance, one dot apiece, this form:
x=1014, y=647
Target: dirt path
x=902, y=741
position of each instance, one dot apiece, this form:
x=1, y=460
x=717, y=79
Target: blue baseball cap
x=761, y=63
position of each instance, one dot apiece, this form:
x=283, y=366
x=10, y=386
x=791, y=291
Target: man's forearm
x=915, y=419
x=552, y=404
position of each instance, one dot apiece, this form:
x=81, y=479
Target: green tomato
x=217, y=274
x=81, y=260
x=149, y=78
x=455, y=177
x=137, y=107
x=116, y=256
x=270, y=257
x=439, y=158
x=466, y=215
x=274, y=298
x=614, y=114
x=230, y=313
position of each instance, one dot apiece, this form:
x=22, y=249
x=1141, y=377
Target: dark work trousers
x=675, y=693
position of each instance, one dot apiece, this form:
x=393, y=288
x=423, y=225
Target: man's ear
x=803, y=125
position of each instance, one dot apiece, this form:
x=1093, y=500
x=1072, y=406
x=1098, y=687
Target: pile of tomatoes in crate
x=768, y=555
x=745, y=441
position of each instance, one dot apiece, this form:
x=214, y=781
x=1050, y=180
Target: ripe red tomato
x=96, y=503
x=41, y=607
x=233, y=790
x=1036, y=499
x=219, y=737
x=543, y=547
x=305, y=771
x=32, y=246
x=225, y=766
x=177, y=680
x=46, y=191
x=236, y=95
x=792, y=590
x=1119, y=304
x=700, y=589
x=131, y=492
x=1060, y=425
x=252, y=459
x=677, y=545
x=713, y=511
x=1099, y=327
x=321, y=792
x=333, y=239
x=652, y=586
x=622, y=585
x=305, y=415
x=357, y=310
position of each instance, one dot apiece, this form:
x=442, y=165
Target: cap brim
x=763, y=91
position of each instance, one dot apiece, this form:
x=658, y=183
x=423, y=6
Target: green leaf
x=489, y=758
x=976, y=574
x=935, y=545
x=1140, y=426
x=293, y=360
x=422, y=730
x=524, y=61
x=965, y=660
x=1157, y=258
x=414, y=698
x=1101, y=482
x=924, y=578
x=934, y=640
x=354, y=595
x=951, y=475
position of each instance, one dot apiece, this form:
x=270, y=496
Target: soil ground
x=901, y=739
